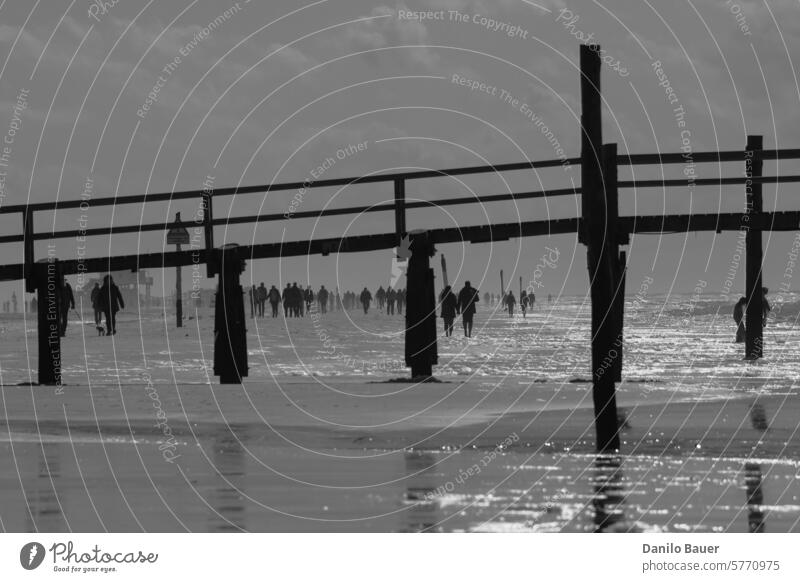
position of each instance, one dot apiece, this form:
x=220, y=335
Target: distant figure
x=309, y=298
x=253, y=294
x=67, y=303
x=261, y=298
x=322, y=299
x=765, y=307
x=34, y=305
x=449, y=309
x=366, y=299
x=467, y=298
x=14, y=300
x=391, y=297
x=738, y=317
x=510, y=301
x=297, y=300
x=110, y=302
x=400, y=299
x=95, y=297
x=287, y=301
x=523, y=302
x=531, y=300
x=274, y=297
x=380, y=297
x=338, y=304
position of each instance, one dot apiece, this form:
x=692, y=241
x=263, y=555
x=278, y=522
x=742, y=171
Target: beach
x=323, y=434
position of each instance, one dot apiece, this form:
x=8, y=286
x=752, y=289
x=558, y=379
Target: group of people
x=462, y=304
x=298, y=301
x=741, y=307
x=106, y=300
x=526, y=300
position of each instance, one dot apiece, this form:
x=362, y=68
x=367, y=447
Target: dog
x=101, y=330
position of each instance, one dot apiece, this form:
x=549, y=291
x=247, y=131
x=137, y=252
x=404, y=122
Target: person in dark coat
x=449, y=304
x=366, y=299
x=322, y=299
x=261, y=299
x=765, y=307
x=391, y=297
x=95, y=297
x=523, y=302
x=510, y=301
x=467, y=298
x=67, y=303
x=287, y=301
x=274, y=298
x=110, y=302
x=738, y=317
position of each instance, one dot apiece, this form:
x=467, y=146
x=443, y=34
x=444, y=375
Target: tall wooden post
x=618, y=260
x=400, y=209
x=49, y=281
x=596, y=227
x=230, y=339
x=420, y=339
x=754, y=337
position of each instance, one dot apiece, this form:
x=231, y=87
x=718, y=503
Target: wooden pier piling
x=754, y=337
x=49, y=282
x=421, y=349
x=230, y=332
x=597, y=229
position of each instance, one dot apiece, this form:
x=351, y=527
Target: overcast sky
x=267, y=91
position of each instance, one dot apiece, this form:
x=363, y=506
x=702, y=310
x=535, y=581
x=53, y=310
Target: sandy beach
x=142, y=437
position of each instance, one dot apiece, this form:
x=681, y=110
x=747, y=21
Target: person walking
x=322, y=299
x=110, y=302
x=309, y=298
x=261, y=298
x=274, y=299
x=523, y=302
x=467, y=298
x=510, y=301
x=366, y=299
x=449, y=304
x=95, y=297
x=67, y=303
x=738, y=317
x=391, y=298
x=400, y=299
x=287, y=301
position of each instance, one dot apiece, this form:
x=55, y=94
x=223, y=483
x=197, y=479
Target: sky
x=134, y=96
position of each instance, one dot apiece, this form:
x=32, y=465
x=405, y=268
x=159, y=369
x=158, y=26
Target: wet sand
x=482, y=459
x=142, y=437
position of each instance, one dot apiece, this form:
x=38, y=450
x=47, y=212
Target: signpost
x=178, y=235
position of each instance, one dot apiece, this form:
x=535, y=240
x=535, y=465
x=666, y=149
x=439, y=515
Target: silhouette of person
x=67, y=302
x=738, y=317
x=467, y=298
x=510, y=302
x=274, y=299
x=95, y=297
x=523, y=302
x=366, y=299
x=110, y=302
x=261, y=298
x=449, y=309
x=766, y=307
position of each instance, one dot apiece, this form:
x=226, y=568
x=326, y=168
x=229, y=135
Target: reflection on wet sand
x=753, y=477
x=609, y=495
x=227, y=504
x=44, y=507
x=422, y=505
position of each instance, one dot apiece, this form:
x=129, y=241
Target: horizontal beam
x=684, y=182
x=625, y=160
x=161, y=226
x=767, y=221
x=333, y=182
